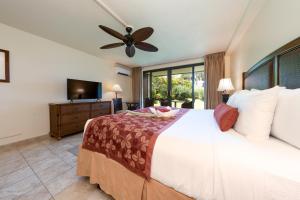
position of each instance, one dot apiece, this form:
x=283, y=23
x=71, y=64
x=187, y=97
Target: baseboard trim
x=37, y=138
x=10, y=136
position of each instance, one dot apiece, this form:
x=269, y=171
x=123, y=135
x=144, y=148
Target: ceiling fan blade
x=113, y=45
x=130, y=51
x=145, y=46
x=142, y=34
x=112, y=32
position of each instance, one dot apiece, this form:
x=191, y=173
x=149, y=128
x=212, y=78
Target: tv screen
x=78, y=89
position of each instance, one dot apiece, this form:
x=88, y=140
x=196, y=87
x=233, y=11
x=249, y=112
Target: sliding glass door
x=159, y=86
x=156, y=86
x=182, y=86
x=199, y=82
x=175, y=86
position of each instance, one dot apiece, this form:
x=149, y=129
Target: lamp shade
x=117, y=88
x=225, y=84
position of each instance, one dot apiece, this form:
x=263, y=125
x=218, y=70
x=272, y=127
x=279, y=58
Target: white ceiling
x=183, y=29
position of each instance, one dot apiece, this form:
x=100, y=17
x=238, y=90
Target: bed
x=193, y=159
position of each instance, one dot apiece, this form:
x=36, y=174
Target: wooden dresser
x=69, y=118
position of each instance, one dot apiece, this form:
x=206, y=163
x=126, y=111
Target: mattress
x=223, y=165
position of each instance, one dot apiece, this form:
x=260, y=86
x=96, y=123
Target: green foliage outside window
x=181, y=87
x=199, y=93
x=159, y=87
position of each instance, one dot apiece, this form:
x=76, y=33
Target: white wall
x=39, y=69
x=276, y=24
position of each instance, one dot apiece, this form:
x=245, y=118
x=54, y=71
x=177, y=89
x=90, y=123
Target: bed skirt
x=119, y=182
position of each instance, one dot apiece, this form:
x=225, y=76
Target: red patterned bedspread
x=127, y=139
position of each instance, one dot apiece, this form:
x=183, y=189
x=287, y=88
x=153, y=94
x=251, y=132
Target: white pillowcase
x=256, y=112
x=235, y=97
x=286, y=124
x=279, y=88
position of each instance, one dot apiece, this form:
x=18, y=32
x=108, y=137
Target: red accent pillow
x=225, y=116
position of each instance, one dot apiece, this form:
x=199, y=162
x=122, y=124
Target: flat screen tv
x=78, y=89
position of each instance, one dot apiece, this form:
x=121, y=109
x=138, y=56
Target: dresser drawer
x=72, y=128
x=69, y=118
x=69, y=109
x=98, y=113
x=101, y=106
x=74, y=118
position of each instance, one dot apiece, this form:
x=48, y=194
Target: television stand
x=69, y=118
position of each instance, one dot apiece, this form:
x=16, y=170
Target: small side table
x=133, y=105
x=117, y=105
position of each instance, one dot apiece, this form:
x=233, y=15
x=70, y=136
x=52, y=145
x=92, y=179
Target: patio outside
x=181, y=80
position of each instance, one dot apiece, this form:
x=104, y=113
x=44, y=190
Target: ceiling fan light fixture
x=130, y=51
x=131, y=40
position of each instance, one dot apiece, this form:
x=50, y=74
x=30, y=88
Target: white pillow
x=287, y=115
x=256, y=113
x=234, y=98
x=270, y=89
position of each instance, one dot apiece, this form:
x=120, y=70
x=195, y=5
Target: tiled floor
x=44, y=169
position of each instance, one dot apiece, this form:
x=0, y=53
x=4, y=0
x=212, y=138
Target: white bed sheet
x=194, y=157
x=183, y=156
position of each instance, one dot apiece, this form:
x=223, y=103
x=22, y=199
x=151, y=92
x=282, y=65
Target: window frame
x=169, y=77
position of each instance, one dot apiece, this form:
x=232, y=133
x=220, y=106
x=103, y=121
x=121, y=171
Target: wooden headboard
x=282, y=67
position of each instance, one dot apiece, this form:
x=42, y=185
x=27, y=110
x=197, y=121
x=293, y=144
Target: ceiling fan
x=131, y=40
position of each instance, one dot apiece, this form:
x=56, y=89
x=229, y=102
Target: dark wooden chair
x=132, y=105
x=118, y=104
x=187, y=104
x=148, y=102
x=165, y=102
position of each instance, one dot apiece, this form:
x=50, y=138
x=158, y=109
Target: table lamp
x=225, y=86
x=117, y=89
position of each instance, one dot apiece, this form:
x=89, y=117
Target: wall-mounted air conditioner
x=123, y=70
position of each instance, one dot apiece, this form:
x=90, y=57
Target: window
x=199, y=78
x=175, y=85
